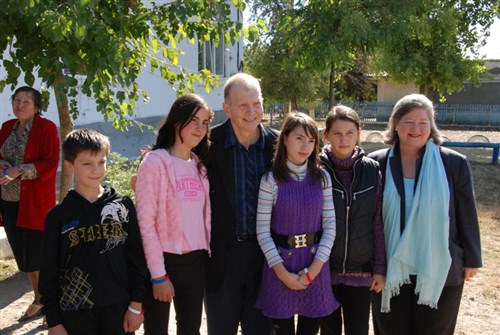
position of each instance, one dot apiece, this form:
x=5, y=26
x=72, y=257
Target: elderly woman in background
x=29, y=157
x=430, y=224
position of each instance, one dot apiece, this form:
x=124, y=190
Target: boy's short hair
x=84, y=139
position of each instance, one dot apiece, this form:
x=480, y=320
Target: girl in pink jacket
x=173, y=209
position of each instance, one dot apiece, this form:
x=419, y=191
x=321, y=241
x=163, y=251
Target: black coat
x=464, y=241
x=222, y=198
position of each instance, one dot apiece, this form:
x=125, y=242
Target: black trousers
x=353, y=313
x=99, y=320
x=305, y=326
x=187, y=275
x=234, y=303
x=26, y=244
x=409, y=318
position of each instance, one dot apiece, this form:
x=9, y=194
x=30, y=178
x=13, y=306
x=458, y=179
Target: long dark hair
x=280, y=170
x=183, y=110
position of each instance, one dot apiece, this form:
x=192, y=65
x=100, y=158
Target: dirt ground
x=479, y=312
x=15, y=296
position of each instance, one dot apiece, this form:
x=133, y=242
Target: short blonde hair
x=243, y=80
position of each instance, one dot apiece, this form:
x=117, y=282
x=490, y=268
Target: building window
x=211, y=57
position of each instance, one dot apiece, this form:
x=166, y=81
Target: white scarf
x=422, y=249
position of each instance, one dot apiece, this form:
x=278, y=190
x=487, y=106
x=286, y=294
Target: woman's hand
x=469, y=273
x=378, y=283
x=164, y=291
x=8, y=173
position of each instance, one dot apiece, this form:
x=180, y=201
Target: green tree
x=316, y=39
x=433, y=43
x=429, y=42
x=335, y=34
x=276, y=62
x=107, y=44
x=283, y=77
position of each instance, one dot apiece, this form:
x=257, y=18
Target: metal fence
x=379, y=112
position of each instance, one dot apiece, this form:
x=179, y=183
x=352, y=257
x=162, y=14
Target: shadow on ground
x=17, y=285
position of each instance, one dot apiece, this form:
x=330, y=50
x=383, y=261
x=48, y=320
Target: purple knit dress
x=297, y=211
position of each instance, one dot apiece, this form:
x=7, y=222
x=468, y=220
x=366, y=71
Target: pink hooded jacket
x=159, y=211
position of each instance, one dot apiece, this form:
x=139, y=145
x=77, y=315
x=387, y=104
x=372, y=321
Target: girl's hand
x=164, y=291
x=378, y=283
x=303, y=279
x=313, y=270
x=57, y=330
x=291, y=280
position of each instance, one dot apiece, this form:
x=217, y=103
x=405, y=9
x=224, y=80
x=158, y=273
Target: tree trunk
x=294, y=104
x=331, y=91
x=286, y=109
x=65, y=127
x=427, y=91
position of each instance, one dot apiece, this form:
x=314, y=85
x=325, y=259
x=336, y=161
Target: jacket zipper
x=348, y=208
x=361, y=192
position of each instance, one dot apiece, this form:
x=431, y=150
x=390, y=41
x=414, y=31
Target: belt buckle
x=300, y=241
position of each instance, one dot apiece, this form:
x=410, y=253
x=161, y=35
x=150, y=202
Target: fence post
x=490, y=112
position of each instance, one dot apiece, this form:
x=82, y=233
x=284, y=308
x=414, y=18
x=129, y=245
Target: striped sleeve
x=328, y=221
x=267, y=197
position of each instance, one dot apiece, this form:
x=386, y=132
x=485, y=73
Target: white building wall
x=160, y=93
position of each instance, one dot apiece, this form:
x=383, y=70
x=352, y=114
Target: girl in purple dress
x=296, y=230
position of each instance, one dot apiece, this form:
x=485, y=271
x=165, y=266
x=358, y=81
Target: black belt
x=245, y=238
x=296, y=241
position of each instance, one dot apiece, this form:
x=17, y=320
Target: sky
x=492, y=48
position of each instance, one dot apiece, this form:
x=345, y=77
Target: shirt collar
x=28, y=126
x=231, y=139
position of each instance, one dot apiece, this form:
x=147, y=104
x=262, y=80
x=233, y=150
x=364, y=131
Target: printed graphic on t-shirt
x=75, y=294
x=113, y=216
x=115, y=213
x=188, y=189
